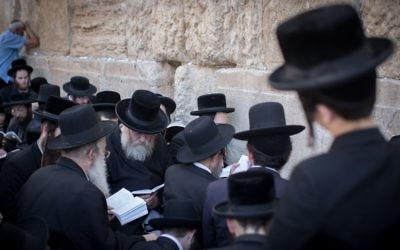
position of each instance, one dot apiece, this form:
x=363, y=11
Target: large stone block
x=54, y=28
x=381, y=18
x=99, y=30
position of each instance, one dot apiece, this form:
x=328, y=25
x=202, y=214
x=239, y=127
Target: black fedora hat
x=106, y=100
x=47, y=90
x=178, y=214
x=54, y=106
x=142, y=113
x=168, y=103
x=203, y=138
x=19, y=99
x=19, y=64
x=251, y=194
x=79, y=86
x=211, y=103
x=79, y=126
x=37, y=82
x=268, y=118
x=324, y=47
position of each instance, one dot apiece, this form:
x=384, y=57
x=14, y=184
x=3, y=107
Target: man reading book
x=139, y=154
x=70, y=195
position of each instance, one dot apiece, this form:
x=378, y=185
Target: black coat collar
x=358, y=138
x=251, y=238
x=70, y=164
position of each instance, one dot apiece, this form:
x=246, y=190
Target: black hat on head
x=47, y=90
x=79, y=126
x=204, y=138
x=19, y=64
x=178, y=214
x=268, y=118
x=106, y=100
x=324, y=47
x=142, y=113
x=79, y=86
x=251, y=194
x=211, y=103
x=168, y=103
x=54, y=106
x=37, y=82
x=19, y=99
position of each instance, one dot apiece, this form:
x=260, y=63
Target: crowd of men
x=63, y=156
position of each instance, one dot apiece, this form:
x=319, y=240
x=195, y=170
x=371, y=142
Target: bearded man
x=139, y=154
x=70, y=195
x=19, y=167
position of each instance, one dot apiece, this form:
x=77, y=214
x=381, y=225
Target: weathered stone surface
x=54, y=28
x=99, y=30
x=382, y=19
x=7, y=15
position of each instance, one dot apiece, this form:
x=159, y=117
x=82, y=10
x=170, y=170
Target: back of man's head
x=271, y=151
x=16, y=25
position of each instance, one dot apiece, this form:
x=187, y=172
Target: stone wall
x=185, y=48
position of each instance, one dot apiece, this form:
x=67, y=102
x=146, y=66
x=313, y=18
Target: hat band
x=270, y=124
x=250, y=208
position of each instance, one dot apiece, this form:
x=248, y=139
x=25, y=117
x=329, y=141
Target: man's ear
x=91, y=154
x=250, y=155
x=231, y=226
x=324, y=115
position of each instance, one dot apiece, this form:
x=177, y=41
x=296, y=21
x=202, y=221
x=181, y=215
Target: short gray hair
x=16, y=24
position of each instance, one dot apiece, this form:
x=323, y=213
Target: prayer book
x=126, y=207
x=11, y=135
x=244, y=165
x=148, y=191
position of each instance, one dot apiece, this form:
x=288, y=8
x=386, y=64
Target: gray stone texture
x=186, y=48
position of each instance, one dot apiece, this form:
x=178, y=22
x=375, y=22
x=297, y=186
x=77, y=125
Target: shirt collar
x=39, y=147
x=202, y=166
x=173, y=239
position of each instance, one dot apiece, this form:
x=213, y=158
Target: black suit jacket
x=215, y=230
x=348, y=198
x=16, y=171
x=162, y=243
x=135, y=175
x=71, y=206
x=188, y=182
x=247, y=242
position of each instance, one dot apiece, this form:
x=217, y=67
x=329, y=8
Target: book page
x=147, y=191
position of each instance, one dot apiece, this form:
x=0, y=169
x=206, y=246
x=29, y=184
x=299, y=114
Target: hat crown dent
x=199, y=132
x=84, y=115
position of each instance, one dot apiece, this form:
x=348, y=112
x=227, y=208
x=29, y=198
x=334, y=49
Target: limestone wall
x=185, y=48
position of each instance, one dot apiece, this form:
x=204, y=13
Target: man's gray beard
x=136, y=152
x=98, y=176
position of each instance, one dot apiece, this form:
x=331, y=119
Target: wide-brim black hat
x=79, y=86
x=324, y=47
x=251, y=194
x=19, y=64
x=37, y=82
x=211, y=103
x=178, y=214
x=47, y=90
x=54, y=106
x=106, y=100
x=203, y=138
x=20, y=99
x=142, y=113
x=168, y=103
x=266, y=119
x=79, y=126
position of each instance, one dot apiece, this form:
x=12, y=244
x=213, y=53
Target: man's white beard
x=137, y=152
x=98, y=175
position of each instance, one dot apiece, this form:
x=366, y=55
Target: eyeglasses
x=107, y=154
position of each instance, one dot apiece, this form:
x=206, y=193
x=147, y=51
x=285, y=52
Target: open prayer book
x=127, y=207
x=11, y=135
x=148, y=191
x=244, y=165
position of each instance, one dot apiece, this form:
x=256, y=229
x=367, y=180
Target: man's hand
x=149, y=237
x=152, y=201
x=110, y=213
